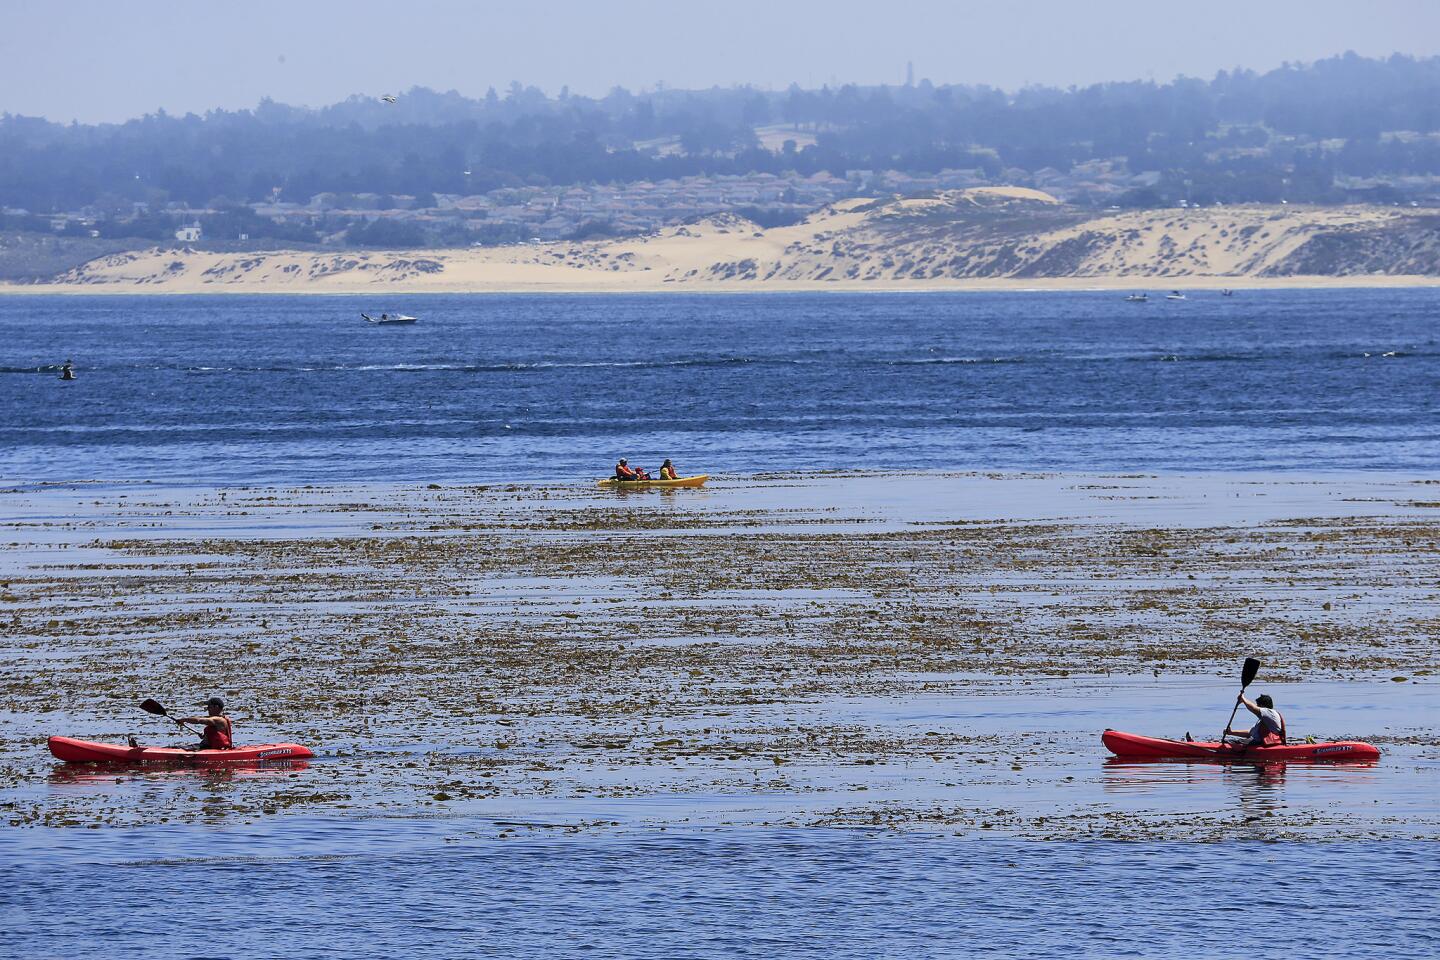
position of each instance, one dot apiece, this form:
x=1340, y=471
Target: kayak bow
x=1133, y=746
x=71, y=750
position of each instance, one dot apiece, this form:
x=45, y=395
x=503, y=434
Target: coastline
x=590, y=287
x=960, y=242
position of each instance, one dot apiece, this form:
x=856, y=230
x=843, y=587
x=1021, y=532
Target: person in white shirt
x=1269, y=729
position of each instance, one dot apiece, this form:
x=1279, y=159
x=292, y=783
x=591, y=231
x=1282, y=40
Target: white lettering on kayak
x=278, y=752
x=1342, y=748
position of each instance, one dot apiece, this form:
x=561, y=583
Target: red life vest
x=668, y=473
x=624, y=472
x=218, y=738
x=1273, y=739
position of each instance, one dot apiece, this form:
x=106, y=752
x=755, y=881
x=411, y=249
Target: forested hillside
x=1341, y=129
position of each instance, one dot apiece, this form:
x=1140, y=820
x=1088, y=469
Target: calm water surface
x=286, y=389
x=296, y=389
x=748, y=894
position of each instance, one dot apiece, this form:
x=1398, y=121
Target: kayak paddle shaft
x=1247, y=674
x=151, y=706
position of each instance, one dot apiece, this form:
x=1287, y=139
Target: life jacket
x=668, y=473
x=218, y=738
x=623, y=472
x=1271, y=738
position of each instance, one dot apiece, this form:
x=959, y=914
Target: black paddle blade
x=1248, y=672
x=150, y=706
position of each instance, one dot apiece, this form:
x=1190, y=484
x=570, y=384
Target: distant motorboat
x=386, y=319
x=1138, y=298
x=1175, y=295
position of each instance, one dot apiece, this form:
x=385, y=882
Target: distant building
x=555, y=228
x=189, y=233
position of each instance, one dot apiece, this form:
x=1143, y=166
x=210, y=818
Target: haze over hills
x=439, y=171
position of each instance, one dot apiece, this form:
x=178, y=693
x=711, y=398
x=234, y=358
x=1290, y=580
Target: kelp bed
x=491, y=649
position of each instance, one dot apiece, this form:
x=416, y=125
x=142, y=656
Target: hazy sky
x=113, y=59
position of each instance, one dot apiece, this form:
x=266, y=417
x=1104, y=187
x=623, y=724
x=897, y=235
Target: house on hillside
x=556, y=228
x=189, y=233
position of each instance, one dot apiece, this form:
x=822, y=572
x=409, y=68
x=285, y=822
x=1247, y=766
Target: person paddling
x=667, y=470
x=218, y=729
x=623, y=471
x=67, y=370
x=1269, y=729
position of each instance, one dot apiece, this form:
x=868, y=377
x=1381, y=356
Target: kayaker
x=667, y=470
x=1269, y=729
x=623, y=471
x=217, y=735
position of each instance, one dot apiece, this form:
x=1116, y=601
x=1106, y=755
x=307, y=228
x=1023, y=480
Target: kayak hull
x=696, y=481
x=71, y=750
x=1133, y=746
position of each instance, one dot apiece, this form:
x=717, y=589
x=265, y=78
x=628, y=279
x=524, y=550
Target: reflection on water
x=1124, y=775
x=216, y=774
x=1244, y=790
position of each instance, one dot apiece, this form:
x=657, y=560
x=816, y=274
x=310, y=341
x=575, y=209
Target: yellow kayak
x=696, y=481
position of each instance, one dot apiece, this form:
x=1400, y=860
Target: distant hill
x=1014, y=236
x=1344, y=129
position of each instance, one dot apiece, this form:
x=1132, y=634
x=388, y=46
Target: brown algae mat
x=596, y=662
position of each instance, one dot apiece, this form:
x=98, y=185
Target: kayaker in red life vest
x=1269, y=729
x=217, y=735
x=623, y=471
x=667, y=470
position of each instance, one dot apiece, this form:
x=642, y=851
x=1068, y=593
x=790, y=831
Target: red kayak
x=1132, y=746
x=87, y=751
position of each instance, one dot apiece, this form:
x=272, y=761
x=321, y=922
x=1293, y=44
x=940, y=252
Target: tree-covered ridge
x=1302, y=133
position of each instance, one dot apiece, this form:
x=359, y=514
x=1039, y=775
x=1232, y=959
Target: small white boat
x=1174, y=295
x=386, y=319
x=1138, y=298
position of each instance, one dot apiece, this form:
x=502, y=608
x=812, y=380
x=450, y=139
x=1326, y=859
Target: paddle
x=1247, y=674
x=151, y=706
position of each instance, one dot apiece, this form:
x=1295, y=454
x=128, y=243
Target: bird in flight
x=388, y=98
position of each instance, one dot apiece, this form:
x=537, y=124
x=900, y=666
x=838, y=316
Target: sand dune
x=969, y=239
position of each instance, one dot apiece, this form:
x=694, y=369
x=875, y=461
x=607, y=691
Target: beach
x=984, y=239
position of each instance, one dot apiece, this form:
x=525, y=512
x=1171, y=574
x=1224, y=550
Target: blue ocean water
x=820, y=893
x=227, y=390
x=236, y=389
